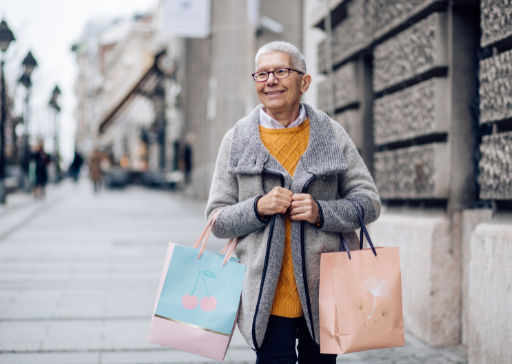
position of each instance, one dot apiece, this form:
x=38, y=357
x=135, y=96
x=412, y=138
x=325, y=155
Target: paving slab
x=79, y=274
x=50, y=358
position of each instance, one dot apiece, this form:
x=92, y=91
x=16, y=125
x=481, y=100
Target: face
x=280, y=95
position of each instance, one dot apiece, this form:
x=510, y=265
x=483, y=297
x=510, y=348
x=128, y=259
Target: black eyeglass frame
x=277, y=78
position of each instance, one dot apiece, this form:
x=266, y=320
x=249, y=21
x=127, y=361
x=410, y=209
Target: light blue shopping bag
x=198, y=298
x=202, y=292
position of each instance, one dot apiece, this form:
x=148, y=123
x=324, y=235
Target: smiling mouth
x=273, y=93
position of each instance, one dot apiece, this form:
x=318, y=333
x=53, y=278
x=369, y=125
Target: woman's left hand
x=305, y=208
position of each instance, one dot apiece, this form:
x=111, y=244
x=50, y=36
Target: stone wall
x=430, y=274
x=495, y=167
x=385, y=15
x=345, y=87
x=496, y=21
x=496, y=88
x=348, y=37
x=415, y=111
x=489, y=315
x=418, y=49
x=490, y=293
x=413, y=173
x=423, y=90
x=367, y=21
x=350, y=121
x=470, y=220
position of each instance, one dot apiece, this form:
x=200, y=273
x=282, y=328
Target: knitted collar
x=322, y=157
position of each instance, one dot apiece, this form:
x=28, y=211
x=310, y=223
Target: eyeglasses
x=279, y=74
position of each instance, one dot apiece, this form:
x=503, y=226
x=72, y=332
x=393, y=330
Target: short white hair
x=298, y=61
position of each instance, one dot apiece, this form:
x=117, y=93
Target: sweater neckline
x=295, y=129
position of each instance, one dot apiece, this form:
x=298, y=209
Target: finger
x=283, y=198
x=285, y=203
x=300, y=203
x=285, y=191
x=282, y=210
x=301, y=196
x=300, y=210
x=300, y=217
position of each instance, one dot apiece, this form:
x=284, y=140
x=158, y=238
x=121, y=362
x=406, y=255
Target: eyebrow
x=276, y=68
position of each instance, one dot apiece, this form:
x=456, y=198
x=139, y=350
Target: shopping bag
x=198, y=298
x=360, y=298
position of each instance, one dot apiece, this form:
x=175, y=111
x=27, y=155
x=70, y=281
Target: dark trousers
x=279, y=344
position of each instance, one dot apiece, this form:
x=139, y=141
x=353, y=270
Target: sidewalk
x=79, y=274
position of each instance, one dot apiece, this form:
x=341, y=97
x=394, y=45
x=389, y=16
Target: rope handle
x=228, y=250
x=343, y=243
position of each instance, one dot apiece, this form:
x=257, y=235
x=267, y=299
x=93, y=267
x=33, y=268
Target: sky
x=48, y=28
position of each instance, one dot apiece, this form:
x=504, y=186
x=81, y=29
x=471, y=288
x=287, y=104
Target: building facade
x=127, y=88
x=422, y=87
x=219, y=89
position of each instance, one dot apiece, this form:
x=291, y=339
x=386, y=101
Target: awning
x=146, y=83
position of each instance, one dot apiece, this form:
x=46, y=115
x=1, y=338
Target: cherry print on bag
x=208, y=303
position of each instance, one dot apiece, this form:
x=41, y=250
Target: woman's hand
x=276, y=201
x=305, y=208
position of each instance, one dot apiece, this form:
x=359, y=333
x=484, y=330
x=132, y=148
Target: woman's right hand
x=276, y=201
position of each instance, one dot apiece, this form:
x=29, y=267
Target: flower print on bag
x=377, y=287
x=208, y=303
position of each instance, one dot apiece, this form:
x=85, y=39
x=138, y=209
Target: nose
x=271, y=79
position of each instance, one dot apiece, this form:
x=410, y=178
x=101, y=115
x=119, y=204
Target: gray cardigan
x=331, y=170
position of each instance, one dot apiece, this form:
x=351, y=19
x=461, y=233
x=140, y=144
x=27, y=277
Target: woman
x=283, y=178
x=41, y=161
x=95, y=172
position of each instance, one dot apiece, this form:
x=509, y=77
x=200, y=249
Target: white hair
x=298, y=61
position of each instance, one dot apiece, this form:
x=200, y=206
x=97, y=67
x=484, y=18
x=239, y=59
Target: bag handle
x=363, y=227
x=229, y=250
x=206, y=234
x=361, y=239
x=344, y=246
x=226, y=247
x=343, y=243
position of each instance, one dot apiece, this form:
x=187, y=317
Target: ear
x=305, y=83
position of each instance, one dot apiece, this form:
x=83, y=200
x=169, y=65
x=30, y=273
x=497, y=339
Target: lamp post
x=29, y=63
x=6, y=37
x=53, y=104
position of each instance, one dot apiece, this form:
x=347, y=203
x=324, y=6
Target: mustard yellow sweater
x=287, y=146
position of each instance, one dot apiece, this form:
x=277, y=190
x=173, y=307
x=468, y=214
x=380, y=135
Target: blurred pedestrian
x=95, y=173
x=41, y=161
x=74, y=168
x=283, y=180
x=187, y=157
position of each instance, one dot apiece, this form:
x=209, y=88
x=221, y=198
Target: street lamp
x=29, y=63
x=6, y=37
x=54, y=105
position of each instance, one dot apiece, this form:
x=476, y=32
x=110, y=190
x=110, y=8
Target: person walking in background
x=41, y=161
x=95, y=172
x=74, y=168
x=187, y=157
x=282, y=183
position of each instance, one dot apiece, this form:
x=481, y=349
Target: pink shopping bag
x=198, y=299
x=360, y=299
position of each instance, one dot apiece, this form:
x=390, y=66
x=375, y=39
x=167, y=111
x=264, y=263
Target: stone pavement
x=79, y=274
